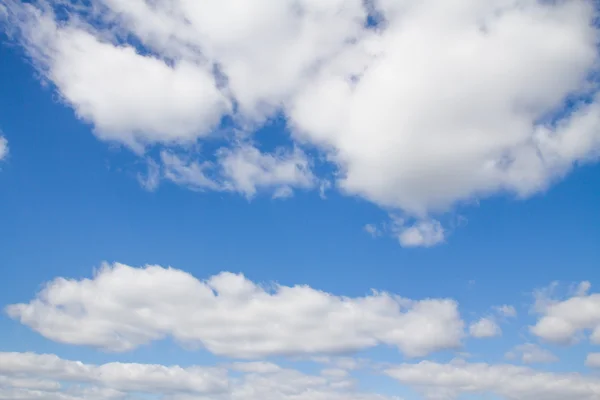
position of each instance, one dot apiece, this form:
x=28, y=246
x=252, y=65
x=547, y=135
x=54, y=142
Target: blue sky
x=280, y=189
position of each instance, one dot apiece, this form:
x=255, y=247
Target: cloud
x=439, y=104
x=564, y=322
x=151, y=179
x=243, y=169
x=3, y=147
x=530, y=353
x=485, y=328
x=593, y=360
x=29, y=376
x=372, y=230
x=450, y=381
x=229, y=315
x=506, y=311
x=424, y=233
x=49, y=371
x=445, y=107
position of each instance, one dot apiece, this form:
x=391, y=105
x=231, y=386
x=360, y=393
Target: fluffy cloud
x=450, y=381
x=46, y=372
x=425, y=233
x=593, y=360
x=566, y=321
x=232, y=316
x=485, y=328
x=530, y=353
x=29, y=376
x=3, y=147
x=243, y=169
x=449, y=102
x=440, y=103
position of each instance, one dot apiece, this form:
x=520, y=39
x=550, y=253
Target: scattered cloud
x=3, y=147
x=29, y=376
x=450, y=381
x=424, y=233
x=485, y=328
x=231, y=316
x=593, y=360
x=151, y=180
x=566, y=321
x=530, y=353
x=506, y=311
x=244, y=170
x=440, y=105
x=119, y=378
x=372, y=230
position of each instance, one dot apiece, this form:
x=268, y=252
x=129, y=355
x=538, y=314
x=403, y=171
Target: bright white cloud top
x=417, y=107
x=232, y=316
x=431, y=104
x=566, y=321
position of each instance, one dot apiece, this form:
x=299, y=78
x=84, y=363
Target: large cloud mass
x=418, y=104
x=30, y=376
x=230, y=315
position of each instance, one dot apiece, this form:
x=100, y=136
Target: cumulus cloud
x=593, y=360
x=440, y=103
x=229, y=315
x=566, y=321
x=450, y=381
x=530, y=353
x=49, y=371
x=485, y=328
x=29, y=376
x=424, y=233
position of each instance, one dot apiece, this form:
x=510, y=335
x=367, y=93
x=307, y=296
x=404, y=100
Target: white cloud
x=564, y=322
x=232, y=316
x=485, y=328
x=443, y=103
x=29, y=376
x=530, y=353
x=372, y=230
x=243, y=169
x=289, y=384
x=151, y=179
x=345, y=363
x=424, y=233
x=593, y=360
x=3, y=147
x=335, y=373
x=450, y=381
x=49, y=370
x=448, y=100
x=130, y=98
x=506, y=311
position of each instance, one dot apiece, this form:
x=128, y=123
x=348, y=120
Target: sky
x=299, y=200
